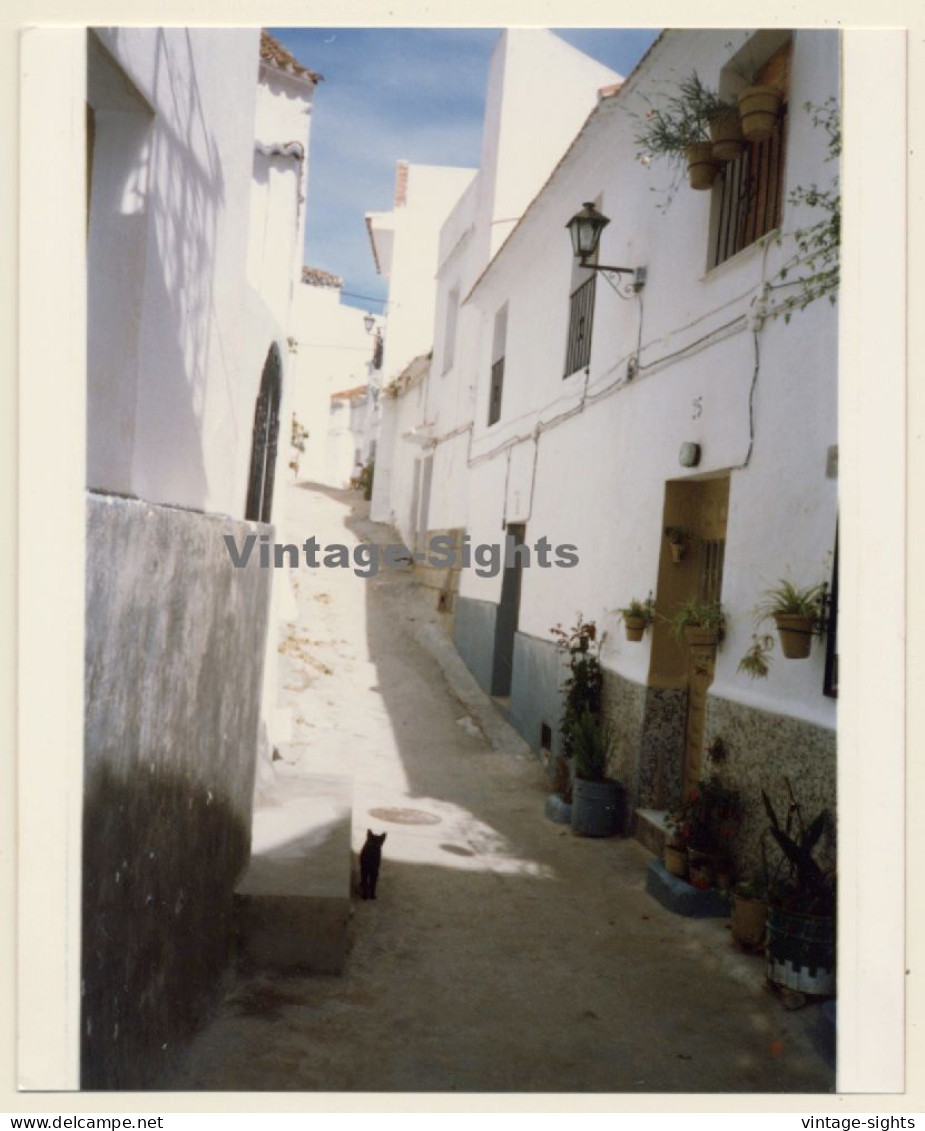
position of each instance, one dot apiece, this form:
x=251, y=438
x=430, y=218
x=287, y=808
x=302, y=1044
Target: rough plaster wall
x=174, y=658
x=764, y=749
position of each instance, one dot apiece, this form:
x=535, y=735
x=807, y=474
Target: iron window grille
x=497, y=384
x=751, y=194
x=580, y=321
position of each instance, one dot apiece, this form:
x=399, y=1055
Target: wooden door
x=708, y=513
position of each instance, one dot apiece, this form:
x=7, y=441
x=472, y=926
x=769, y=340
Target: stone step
x=683, y=899
x=650, y=830
x=293, y=902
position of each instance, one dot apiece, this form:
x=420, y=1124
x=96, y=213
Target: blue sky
x=394, y=94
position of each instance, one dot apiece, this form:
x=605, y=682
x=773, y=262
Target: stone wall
x=763, y=749
x=175, y=640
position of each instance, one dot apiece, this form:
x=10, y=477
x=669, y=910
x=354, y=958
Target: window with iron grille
x=580, y=321
x=750, y=194
x=498, y=346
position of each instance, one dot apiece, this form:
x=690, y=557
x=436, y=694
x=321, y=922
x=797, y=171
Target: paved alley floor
x=502, y=953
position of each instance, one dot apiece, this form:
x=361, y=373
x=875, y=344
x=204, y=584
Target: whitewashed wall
x=600, y=475
x=165, y=394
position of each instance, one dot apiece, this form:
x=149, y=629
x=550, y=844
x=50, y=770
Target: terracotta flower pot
x=726, y=135
x=796, y=634
x=759, y=107
x=635, y=627
x=675, y=860
x=694, y=634
x=700, y=876
x=701, y=168
x=677, y=551
x=749, y=917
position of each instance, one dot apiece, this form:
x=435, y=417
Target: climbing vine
x=813, y=271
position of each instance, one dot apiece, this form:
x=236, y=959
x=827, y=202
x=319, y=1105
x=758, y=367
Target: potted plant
x=725, y=128
x=637, y=616
x=797, y=613
x=674, y=851
x=699, y=622
x=677, y=542
x=677, y=127
x=596, y=799
x=705, y=821
x=583, y=691
x=749, y=917
x=759, y=108
x=801, y=904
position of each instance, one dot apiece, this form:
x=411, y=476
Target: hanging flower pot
x=726, y=134
x=701, y=168
x=635, y=627
x=796, y=634
x=677, y=551
x=759, y=107
x=695, y=635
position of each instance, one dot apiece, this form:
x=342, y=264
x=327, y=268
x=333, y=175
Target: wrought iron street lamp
x=585, y=229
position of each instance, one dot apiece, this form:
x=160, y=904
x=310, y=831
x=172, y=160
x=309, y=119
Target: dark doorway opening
x=508, y=613
x=259, y=506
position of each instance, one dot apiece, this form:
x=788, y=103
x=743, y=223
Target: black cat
x=370, y=859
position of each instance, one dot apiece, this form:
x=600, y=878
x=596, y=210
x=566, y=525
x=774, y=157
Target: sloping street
x=502, y=953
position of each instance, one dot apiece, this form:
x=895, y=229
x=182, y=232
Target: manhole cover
x=405, y=816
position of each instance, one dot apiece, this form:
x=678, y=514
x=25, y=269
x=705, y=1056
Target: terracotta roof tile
x=316, y=277
x=273, y=53
x=349, y=394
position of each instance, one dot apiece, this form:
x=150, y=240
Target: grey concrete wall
x=474, y=637
x=175, y=640
x=536, y=689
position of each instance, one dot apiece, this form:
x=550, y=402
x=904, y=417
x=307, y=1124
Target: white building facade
x=556, y=407
x=196, y=148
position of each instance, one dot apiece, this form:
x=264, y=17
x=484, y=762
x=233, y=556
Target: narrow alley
x=502, y=953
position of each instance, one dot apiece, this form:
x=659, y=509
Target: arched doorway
x=266, y=433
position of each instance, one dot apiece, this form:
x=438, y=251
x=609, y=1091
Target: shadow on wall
x=156, y=931
x=160, y=206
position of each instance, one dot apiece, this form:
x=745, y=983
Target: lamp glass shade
x=585, y=228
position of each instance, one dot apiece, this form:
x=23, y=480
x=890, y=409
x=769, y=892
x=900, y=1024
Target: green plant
x=814, y=267
x=640, y=610
x=755, y=661
x=697, y=613
x=365, y=482
x=299, y=434
x=787, y=599
x=584, y=686
x=592, y=744
x=751, y=888
x=673, y=123
x=800, y=883
x=706, y=819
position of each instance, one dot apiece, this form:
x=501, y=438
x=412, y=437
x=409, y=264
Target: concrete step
x=293, y=902
x=650, y=829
